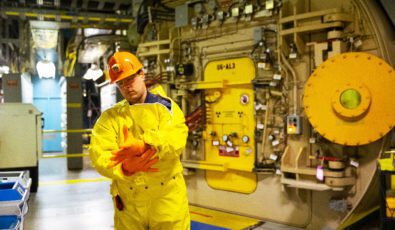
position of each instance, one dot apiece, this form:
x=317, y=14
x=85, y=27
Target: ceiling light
x=91, y=52
x=93, y=73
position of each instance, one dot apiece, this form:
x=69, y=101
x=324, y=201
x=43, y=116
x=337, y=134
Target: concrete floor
x=80, y=200
x=62, y=206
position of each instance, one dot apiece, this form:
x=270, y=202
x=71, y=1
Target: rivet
x=161, y=183
x=369, y=58
x=356, y=56
x=322, y=67
x=131, y=188
x=390, y=71
x=344, y=56
x=380, y=63
x=146, y=187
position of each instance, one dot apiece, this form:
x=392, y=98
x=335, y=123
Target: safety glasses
x=127, y=81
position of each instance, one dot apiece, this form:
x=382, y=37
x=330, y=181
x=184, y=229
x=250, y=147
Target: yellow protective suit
x=151, y=200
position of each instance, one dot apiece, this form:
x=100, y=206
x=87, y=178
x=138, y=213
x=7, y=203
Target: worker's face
x=133, y=88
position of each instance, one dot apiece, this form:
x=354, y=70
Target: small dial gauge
x=245, y=139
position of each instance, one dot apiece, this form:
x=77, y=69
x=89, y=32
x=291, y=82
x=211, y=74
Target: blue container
x=9, y=222
x=11, y=191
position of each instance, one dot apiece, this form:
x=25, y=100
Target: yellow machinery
x=229, y=135
x=349, y=99
x=289, y=103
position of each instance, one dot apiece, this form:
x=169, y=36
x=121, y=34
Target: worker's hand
x=135, y=145
x=134, y=155
x=137, y=163
x=142, y=163
x=121, y=155
x=131, y=147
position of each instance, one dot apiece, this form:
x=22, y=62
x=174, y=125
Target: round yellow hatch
x=350, y=98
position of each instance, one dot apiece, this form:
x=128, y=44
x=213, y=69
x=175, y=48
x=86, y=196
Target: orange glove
x=134, y=155
x=134, y=162
x=134, y=144
x=141, y=163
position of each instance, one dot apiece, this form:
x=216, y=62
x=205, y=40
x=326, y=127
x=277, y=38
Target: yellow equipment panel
x=349, y=99
x=229, y=136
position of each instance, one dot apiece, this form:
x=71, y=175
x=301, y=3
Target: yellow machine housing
x=348, y=99
x=230, y=133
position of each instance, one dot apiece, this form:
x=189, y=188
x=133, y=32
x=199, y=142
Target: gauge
x=244, y=99
x=245, y=139
x=225, y=138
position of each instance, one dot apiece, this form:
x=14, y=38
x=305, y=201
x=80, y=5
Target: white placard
x=312, y=140
x=261, y=65
x=354, y=163
x=277, y=76
x=293, y=55
x=275, y=142
x=273, y=157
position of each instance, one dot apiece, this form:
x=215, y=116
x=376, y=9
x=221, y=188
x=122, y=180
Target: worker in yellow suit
x=137, y=143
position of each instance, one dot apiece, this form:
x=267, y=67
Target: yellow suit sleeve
x=103, y=143
x=171, y=136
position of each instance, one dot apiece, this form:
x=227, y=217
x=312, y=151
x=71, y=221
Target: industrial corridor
x=197, y=114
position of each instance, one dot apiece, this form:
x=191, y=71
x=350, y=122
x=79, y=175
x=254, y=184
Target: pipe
x=295, y=87
x=264, y=135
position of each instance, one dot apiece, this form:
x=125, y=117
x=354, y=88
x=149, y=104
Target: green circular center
x=350, y=98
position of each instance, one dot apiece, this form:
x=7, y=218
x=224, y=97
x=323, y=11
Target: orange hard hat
x=122, y=65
